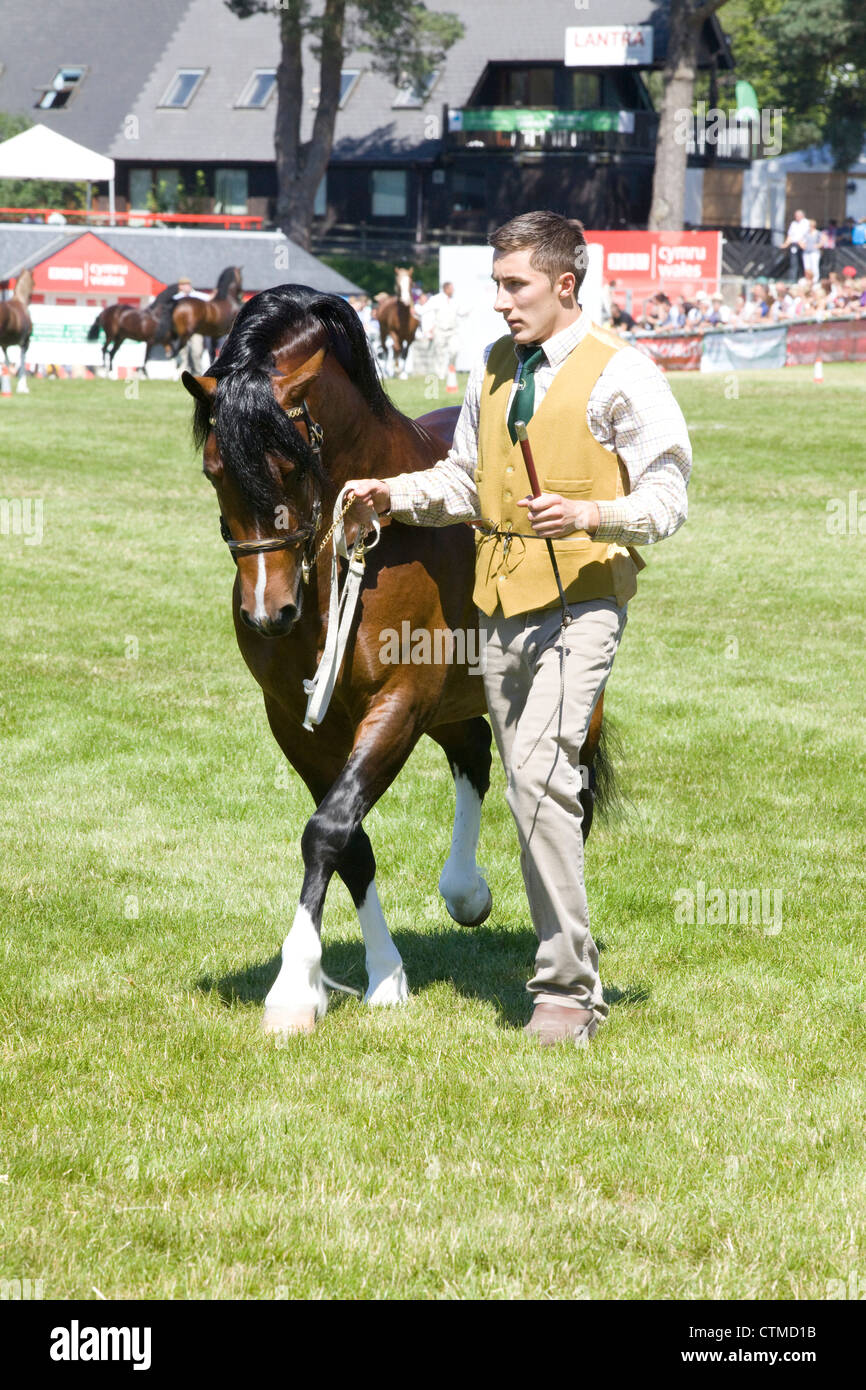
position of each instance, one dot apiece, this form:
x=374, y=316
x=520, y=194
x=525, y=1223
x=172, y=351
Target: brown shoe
x=556, y=1023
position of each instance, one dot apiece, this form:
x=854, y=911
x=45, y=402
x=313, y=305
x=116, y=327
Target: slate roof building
x=534, y=105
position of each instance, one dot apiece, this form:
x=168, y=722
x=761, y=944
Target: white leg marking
x=261, y=585
x=385, y=973
x=465, y=891
x=298, y=995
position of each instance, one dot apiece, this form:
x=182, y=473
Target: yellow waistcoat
x=570, y=461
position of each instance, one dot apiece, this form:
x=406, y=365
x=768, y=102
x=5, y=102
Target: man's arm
x=632, y=411
x=437, y=496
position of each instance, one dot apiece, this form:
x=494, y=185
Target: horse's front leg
x=331, y=837
x=463, y=888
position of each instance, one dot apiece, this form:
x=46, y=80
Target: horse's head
x=280, y=420
x=24, y=287
x=403, y=283
x=263, y=457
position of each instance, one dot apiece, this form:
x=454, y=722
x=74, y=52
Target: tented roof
x=40, y=153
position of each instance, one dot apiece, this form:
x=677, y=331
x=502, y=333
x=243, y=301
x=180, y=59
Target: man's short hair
x=558, y=244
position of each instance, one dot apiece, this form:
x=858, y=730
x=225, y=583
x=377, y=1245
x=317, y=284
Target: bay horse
x=16, y=325
x=397, y=322
x=212, y=318
x=291, y=409
x=121, y=321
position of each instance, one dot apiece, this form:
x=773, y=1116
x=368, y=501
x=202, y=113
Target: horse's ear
x=292, y=387
x=202, y=387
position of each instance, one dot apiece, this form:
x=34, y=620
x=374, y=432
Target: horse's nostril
x=272, y=627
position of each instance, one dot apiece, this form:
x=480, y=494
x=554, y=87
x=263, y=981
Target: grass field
x=710, y=1143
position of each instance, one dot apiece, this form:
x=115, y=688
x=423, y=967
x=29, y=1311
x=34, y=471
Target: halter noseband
x=306, y=532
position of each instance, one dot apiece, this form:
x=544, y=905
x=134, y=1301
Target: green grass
x=709, y=1144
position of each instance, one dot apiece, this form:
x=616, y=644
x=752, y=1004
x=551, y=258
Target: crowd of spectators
x=837, y=295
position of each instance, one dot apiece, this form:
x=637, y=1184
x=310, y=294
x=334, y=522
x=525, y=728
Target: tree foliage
x=807, y=57
x=407, y=43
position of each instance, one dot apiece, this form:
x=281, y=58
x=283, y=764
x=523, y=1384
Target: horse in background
x=212, y=318
x=293, y=408
x=121, y=321
x=16, y=325
x=397, y=322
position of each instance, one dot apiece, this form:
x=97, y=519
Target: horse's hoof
x=385, y=993
x=285, y=1023
x=459, y=916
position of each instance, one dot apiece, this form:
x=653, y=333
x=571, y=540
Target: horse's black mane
x=249, y=422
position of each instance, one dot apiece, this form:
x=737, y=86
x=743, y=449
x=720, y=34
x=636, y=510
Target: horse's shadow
x=490, y=963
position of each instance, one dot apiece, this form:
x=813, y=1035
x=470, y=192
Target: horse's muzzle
x=272, y=627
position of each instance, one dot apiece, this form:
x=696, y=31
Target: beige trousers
x=542, y=684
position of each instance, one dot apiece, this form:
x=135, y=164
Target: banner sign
x=744, y=348
x=674, y=354
x=88, y=265
x=60, y=335
x=678, y=263
x=608, y=45
x=534, y=119
x=842, y=341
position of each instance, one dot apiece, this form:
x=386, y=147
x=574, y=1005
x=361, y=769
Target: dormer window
x=183, y=87
x=414, y=94
x=58, y=94
x=258, y=91
x=348, y=82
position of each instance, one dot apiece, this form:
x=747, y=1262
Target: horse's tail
x=603, y=778
x=95, y=328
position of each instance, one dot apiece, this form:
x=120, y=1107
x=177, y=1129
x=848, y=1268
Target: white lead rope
x=341, y=613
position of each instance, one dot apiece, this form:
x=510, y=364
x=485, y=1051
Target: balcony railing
x=510, y=130
x=99, y=217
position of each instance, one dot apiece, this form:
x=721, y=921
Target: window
x=168, y=189
x=348, y=82
x=140, y=184
x=390, y=193
x=585, y=91
x=320, y=204
x=230, y=189
x=415, y=94
x=257, y=93
x=58, y=94
x=183, y=87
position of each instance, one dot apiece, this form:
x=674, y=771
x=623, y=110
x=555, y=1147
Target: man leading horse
x=613, y=453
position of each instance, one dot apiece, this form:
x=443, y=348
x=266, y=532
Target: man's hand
x=371, y=495
x=551, y=515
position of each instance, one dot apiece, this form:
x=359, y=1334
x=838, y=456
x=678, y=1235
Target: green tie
x=523, y=404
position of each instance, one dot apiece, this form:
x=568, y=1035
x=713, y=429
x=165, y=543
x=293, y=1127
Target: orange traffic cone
x=451, y=379
x=818, y=374
x=6, y=384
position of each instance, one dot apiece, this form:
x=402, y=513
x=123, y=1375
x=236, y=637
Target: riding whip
x=526, y=450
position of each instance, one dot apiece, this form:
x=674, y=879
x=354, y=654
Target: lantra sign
x=608, y=45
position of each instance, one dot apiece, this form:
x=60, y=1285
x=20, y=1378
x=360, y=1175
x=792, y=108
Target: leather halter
x=306, y=532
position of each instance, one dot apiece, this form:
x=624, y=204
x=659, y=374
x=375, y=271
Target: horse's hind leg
x=464, y=890
x=386, y=978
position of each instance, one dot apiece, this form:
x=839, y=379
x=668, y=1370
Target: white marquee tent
x=40, y=153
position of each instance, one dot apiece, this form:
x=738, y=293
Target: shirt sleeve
x=632, y=411
x=445, y=493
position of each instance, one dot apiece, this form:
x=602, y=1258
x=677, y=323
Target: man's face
x=525, y=298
